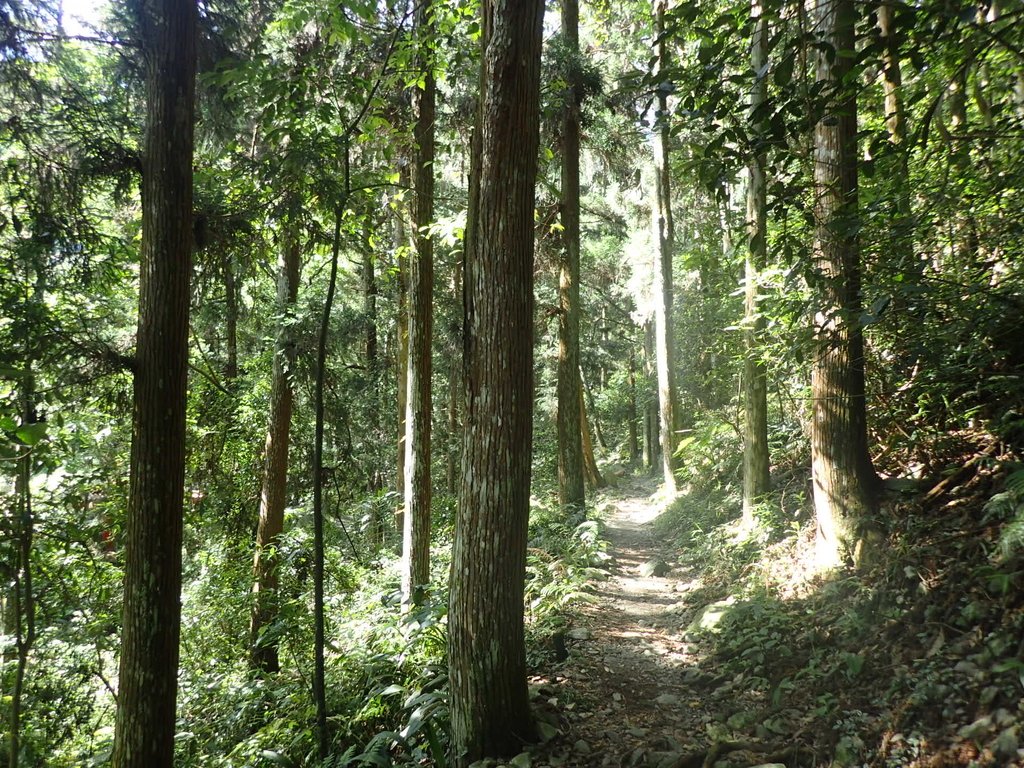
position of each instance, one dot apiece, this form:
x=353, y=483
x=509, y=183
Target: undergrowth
x=916, y=660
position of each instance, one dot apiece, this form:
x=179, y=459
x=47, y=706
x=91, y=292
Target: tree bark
x=273, y=496
x=374, y=482
x=416, y=525
x=844, y=481
x=454, y=387
x=664, y=236
x=571, y=493
x=231, y=319
x=651, y=400
x=147, y=691
x=631, y=415
x=402, y=345
x=756, y=477
x=593, y=475
x=490, y=712
x=319, y=615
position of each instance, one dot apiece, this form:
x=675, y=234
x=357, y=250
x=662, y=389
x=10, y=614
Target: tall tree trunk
x=631, y=414
x=273, y=496
x=571, y=493
x=490, y=711
x=755, y=393
x=416, y=527
x=844, y=481
x=454, y=387
x=664, y=240
x=22, y=594
x=593, y=474
x=892, y=74
x=231, y=319
x=651, y=400
x=588, y=396
x=374, y=529
x=148, y=678
x=319, y=617
x=402, y=345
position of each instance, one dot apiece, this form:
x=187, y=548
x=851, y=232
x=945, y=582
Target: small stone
x=977, y=730
x=616, y=696
x=1006, y=744
x=581, y=747
x=522, y=760
x=657, y=568
x=546, y=731
x=580, y=633
x=638, y=732
x=667, y=700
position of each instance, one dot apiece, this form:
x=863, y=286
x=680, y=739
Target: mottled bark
x=148, y=678
x=892, y=75
x=402, y=345
x=416, y=525
x=490, y=712
x=571, y=493
x=632, y=413
x=593, y=475
x=650, y=401
x=273, y=495
x=844, y=482
x=664, y=237
x=454, y=389
x=755, y=394
x=374, y=482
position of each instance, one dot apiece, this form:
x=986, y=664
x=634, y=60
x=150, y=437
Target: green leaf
x=30, y=434
x=784, y=71
x=276, y=758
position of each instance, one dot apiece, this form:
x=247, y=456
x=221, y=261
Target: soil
x=631, y=692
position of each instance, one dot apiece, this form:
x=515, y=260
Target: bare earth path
x=629, y=691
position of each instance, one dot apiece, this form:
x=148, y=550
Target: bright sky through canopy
x=83, y=17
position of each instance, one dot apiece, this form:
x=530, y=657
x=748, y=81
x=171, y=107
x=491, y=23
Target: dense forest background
x=327, y=331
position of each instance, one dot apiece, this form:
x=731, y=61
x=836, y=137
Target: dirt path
x=629, y=691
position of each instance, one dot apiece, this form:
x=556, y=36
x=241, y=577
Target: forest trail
x=630, y=692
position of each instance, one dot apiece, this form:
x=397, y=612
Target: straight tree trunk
x=664, y=240
x=402, y=345
x=454, y=387
x=593, y=474
x=273, y=496
x=844, y=481
x=631, y=415
x=374, y=528
x=571, y=493
x=651, y=400
x=490, y=711
x=319, y=614
x=22, y=594
x=231, y=319
x=755, y=393
x=148, y=677
x=416, y=525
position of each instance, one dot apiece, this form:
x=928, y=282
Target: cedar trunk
x=571, y=492
x=490, y=712
x=148, y=677
x=755, y=396
x=843, y=477
x=664, y=240
x=273, y=495
x=416, y=524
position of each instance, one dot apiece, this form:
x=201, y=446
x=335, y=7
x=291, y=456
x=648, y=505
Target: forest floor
x=632, y=691
x=671, y=664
